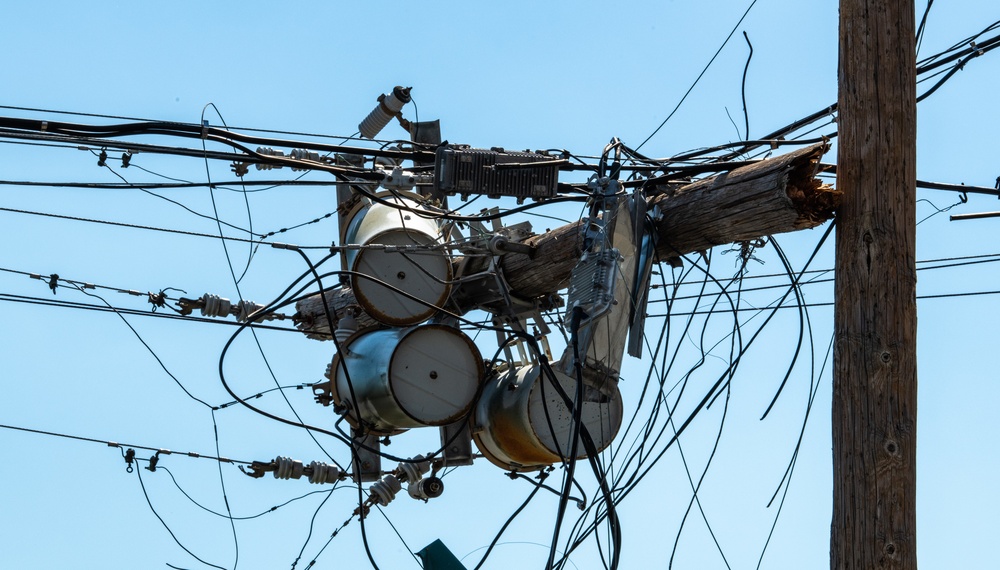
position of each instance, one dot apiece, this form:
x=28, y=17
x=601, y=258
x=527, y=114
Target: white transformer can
x=401, y=272
x=395, y=379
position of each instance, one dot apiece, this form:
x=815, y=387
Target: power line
x=42, y=301
x=244, y=518
x=124, y=118
x=115, y=444
x=825, y=304
x=167, y=185
x=700, y=75
x=149, y=228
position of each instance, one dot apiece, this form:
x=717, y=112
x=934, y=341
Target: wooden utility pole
x=875, y=360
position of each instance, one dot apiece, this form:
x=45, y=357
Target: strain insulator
x=302, y=154
x=215, y=306
x=287, y=468
x=246, y=308
x=384, y=490
x=324, y=473
x=413, y=471
x=268, y=151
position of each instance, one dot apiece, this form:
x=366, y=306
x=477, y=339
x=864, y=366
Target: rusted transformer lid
x=521, y=423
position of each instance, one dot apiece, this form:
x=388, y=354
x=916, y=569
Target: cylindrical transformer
x=521, y=423
x=401, y=273
x=397, y=379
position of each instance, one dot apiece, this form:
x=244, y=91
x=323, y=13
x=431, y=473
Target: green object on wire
x=436, y=556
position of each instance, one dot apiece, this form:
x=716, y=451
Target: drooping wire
x=700, y=75
x=743, y=88
x=400, y=536
x=721, y=382
x=225, y=496
x=923, y=22
x=312, y=524
x=121, y=446
x=249, y=232
x=138, y=474
x=243, y=518
x=503, y=527
x=146, y=345
x=735, y=340
x=141, y=227
x=236, y=280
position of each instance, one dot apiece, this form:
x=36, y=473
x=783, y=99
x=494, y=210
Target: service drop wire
x=181, y=205
x=243, y=518
x=592, y=455
x=719, y=383
x=585, y=437
x=742, y=352
x=506, y=524
x=647, y=439
x=697, y=487
x=663, y=342
x=700, y=75
x=350, y=386
x=348, y=441
x=244, y=403
x=215, y=210
x=569, y=474
x=589, y=446
x=312, y=523
x=145, y=344
x=138, y=474
x=670, y=416
x=803, y=319
x=225, y=496
x=666, y=366
x=214, y=427
x=229, y=263
x=814, y=390
x=651, y=424
x=735, y=338
x=618, y=147
x=236, y=280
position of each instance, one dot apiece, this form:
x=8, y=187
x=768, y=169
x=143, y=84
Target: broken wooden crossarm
x=773, y=196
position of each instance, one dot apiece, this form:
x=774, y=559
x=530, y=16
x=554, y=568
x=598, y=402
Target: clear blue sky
x=517, y=75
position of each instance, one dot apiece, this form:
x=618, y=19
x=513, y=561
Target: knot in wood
x=891, y=447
